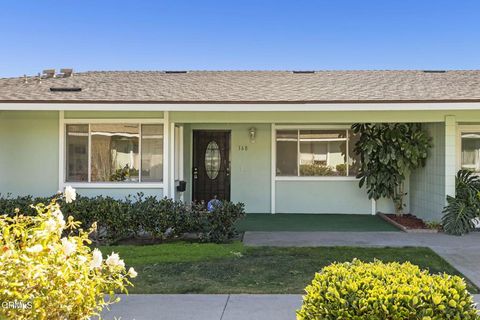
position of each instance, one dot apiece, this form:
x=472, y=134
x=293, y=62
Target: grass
x=183, y=267
x=313, y=222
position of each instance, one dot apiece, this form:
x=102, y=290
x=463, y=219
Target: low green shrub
x=140, y=216
x=114, y=218
x=377, y=291
x=23, y=203
x=462, y=209
x=219, y=224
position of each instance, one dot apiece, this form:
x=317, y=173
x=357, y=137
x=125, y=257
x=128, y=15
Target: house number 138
x=242, y=148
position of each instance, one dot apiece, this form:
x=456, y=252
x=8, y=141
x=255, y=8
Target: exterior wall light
x=252, y=133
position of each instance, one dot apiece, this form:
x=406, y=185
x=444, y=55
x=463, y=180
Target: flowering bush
x=380, y=291
x=47, y=272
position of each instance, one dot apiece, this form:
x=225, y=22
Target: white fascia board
x=248, y=107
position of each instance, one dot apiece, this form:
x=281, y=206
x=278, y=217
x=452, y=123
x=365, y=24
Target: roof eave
x=376, y=101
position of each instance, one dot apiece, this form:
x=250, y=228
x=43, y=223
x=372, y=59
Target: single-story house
x=246, y=136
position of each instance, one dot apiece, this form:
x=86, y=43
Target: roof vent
x=175, y=71
x=434, y=71
x=66, y=73
x=65, y=89
x=303, y=71
x=48, y=73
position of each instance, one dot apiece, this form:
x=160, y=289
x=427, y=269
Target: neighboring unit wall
x=427, y=184
x=29, y=152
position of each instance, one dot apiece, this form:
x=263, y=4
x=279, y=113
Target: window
x=152, y=153
x=114, y=152
x=470, y=154
x=77, y=153
x=316, y=153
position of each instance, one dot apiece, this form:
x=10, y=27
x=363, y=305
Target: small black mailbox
x=182, y=186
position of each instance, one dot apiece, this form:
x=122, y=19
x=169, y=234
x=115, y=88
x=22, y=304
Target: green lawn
x=313, y=222
x=232, y=268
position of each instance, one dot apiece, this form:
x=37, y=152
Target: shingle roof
x=248, y=86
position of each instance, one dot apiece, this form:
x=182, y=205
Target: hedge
x=140, y=216
x=377, y=291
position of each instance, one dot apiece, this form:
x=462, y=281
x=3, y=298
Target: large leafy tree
x=388, y=153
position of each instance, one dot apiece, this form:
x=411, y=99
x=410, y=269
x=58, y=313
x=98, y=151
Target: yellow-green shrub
x=47, y=272
x=380, y=291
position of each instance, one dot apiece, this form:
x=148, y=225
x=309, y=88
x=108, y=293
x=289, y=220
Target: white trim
x=89, y=155
x=347, y=153
x=181, y=173
x=460, y=129
x=273, y=170
x=181, y=160
x=166, y=157
x=381, y=106
x=101, y=185
x=374, y=207
x=190, y=164
x=449, y=154
x=114, y=120
x=140, y=152
x=313, y=127
x=61, y=150
x=171, y=154
x=299, y=156
x=315, y=178
x=118, y=185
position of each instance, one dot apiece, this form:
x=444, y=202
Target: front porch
x=254, y=168
x=314, y=222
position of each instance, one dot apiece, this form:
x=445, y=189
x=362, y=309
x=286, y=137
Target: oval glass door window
x=212, y=160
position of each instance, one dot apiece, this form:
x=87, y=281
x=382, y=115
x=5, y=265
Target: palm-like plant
x=462, y=209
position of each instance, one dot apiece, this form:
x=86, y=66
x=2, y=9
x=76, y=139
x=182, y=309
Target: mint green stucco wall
x=250, y=170
x=120, y=193
x=427, y=184
x=321, y=197
x=29, y=152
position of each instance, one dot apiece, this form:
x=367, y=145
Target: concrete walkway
x=461, y=252
x=207, y=307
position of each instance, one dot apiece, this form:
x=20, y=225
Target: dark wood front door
x=211, y=165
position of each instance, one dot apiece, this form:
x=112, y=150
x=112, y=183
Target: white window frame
x=307, y=178
x=460, y=130
x=108, y=185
